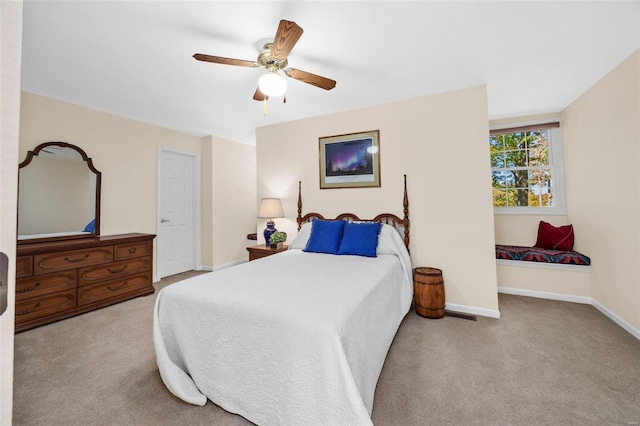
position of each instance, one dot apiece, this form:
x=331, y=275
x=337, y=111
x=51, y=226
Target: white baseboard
x=219, y=267
x=491, y=313
x=576, y=299
x=228, y=265
x=613, y=317
x=545, y=295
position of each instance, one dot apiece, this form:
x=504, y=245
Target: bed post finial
x=405, y=204
x=299, y=205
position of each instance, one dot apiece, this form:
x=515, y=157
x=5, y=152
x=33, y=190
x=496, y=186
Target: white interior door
x=176, y=212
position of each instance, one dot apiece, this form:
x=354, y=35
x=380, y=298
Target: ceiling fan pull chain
x=264, y=107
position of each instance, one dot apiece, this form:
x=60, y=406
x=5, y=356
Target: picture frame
x=350, y=161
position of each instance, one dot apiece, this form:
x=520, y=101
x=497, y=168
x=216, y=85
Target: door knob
x=164, y=220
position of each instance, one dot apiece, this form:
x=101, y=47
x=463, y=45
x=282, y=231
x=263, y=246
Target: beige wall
x=231, y=201
x=522, y=229
x=562, y=283
x=11, y=35
x=601, y=132
x=439, y=141
x=124, y=150
x=206, y=203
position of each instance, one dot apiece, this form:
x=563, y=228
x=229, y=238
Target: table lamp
x=270, y=208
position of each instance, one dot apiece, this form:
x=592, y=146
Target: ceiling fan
x=274, y=58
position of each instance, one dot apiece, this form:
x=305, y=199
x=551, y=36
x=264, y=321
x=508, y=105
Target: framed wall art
x=350, y=161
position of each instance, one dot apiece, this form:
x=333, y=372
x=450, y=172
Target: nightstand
x=258, y=251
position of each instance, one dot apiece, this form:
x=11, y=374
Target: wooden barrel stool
x=428, y=292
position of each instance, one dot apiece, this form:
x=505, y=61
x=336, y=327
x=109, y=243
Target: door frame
x=195, y=158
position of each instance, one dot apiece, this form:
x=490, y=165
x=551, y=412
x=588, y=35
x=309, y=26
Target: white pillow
x=300, y=241
x=388, y=240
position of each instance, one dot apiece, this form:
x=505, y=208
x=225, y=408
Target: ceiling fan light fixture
x=272, y=84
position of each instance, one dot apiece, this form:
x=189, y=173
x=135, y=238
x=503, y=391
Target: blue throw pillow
x=325, y=236
x=91, y=226
x=360, y=239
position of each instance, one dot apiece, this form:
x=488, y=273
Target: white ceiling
x=134, y=58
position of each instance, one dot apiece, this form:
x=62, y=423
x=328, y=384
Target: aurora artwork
x=350, y=161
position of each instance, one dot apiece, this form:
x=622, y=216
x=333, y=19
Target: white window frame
x=556, y=161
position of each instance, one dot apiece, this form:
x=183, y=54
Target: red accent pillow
x=555, y=238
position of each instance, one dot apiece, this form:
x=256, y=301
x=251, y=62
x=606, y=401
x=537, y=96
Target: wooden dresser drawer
x=103, y=291
x=46, y=284
x=68, y=277
x=114, y=270
x=47, y=305
x=131, y=250
x=64, y=260
x=24, y=266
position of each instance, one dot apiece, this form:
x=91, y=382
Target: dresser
x=61, y=279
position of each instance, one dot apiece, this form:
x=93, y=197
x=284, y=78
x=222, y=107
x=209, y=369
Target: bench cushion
x=537, y=254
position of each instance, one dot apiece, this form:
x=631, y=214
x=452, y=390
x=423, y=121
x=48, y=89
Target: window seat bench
x=548, y=274
x=537, y=254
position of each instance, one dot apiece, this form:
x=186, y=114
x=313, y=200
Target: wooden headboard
x=388, y=218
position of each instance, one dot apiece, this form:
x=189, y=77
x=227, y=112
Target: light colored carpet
x=543, y=363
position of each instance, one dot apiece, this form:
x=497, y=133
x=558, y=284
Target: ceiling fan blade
x=225, y=61
x=287, y=36
x=259, y=96
x=307, y=77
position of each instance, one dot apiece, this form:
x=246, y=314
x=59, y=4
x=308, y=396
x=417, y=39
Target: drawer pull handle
x=117, y=271
x=77, y=260
x=28, y=311
x=118, y=288
x=132, y=250
x=24, y=290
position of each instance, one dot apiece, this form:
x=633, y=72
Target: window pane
x=540, y=197
x=497, y=159
x=519, y=197
x=495, y=143
x=499, y=179
x=538, y=149
x=516, y=158
x=540, y=187
x=500, y=197
x=540, y=177
x=538, y=137
x=520, y=178
x=514, y=140
x=539, y=156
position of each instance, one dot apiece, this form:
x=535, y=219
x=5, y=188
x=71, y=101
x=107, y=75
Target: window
x=526, y=172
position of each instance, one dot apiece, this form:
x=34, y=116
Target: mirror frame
x=86, y=159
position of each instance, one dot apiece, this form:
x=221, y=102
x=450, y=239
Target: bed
x=299, y=337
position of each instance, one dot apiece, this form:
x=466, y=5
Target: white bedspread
x=294, y=338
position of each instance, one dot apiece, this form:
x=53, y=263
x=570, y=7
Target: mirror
x=58, y=194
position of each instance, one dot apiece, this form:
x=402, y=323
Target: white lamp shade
x=270, y=208
x=272, y=84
